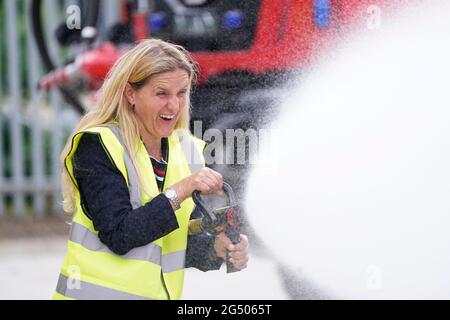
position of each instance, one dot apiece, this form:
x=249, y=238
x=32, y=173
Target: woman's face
x=160, y=102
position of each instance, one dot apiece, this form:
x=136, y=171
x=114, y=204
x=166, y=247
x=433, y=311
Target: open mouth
x=167, y=117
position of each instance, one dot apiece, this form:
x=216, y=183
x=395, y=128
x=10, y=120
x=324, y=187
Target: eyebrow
x=165, y=89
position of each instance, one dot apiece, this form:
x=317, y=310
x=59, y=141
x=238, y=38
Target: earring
x=133, y=106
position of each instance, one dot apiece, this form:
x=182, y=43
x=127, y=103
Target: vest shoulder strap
x=191, y=150
x=133, y=181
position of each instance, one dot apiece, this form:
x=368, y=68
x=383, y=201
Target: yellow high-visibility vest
x=154, y=271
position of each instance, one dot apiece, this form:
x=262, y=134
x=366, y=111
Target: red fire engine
x=236, y=43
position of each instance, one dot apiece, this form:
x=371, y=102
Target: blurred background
x=54, y=55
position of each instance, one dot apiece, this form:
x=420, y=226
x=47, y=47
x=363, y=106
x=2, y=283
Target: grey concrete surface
x=29, y=269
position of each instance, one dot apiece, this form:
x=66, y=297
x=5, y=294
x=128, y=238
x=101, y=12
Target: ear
x=129, y=94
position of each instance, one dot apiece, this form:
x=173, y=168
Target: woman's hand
x=205, y=180
x=238, y=253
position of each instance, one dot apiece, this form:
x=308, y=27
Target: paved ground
x=29, y=270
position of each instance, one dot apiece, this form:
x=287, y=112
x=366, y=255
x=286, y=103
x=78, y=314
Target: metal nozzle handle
x=231, y=200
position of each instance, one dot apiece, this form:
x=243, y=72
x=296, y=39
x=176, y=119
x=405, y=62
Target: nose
x=174, y=104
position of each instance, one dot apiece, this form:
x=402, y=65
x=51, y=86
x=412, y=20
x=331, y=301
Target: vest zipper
x=164, y=285
x=162, y=189
x=167, y=167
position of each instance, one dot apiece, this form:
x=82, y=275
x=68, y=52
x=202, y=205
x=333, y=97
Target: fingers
x=226, y=242
x=208, y=181
x=239, y=253
x=222, y=244
x=243, y=244
x=240, y=250
x=205, y=185
x=239, y=264
x=205, y=180
x=216, y=179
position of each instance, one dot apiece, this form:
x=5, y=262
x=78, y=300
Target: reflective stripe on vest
x=190, y=150
x=151, y=252
x=133, y=181
x=88, y=291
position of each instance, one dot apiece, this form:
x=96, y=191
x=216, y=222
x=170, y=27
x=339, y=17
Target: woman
x=129, y=171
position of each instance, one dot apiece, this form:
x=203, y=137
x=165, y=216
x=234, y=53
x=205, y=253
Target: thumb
x=226, y=241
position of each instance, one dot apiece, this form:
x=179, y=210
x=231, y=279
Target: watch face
x=170, y=193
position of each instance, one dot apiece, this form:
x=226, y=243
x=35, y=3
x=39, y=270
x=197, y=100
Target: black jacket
x=106, y=201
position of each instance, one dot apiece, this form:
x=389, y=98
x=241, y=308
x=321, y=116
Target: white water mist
x=360, y=199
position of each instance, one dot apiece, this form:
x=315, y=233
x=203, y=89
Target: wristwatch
x=171, y=194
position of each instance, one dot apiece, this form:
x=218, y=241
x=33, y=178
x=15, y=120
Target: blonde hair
x=148, y=58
